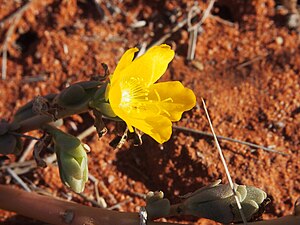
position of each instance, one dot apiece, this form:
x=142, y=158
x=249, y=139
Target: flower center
x=140, y=100
x=132, y=90
x=126, y=98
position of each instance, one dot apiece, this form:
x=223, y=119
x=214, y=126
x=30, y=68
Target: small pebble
x=102, y=202
x=110, y=179
x=279, y=40
x=138, y=24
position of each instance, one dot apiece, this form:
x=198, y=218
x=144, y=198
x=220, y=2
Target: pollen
x=126, y=96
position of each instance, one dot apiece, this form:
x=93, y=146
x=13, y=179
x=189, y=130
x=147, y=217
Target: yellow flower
x=139, y=101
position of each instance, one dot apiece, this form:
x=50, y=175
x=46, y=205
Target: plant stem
x=38, y=121
x=60, y=212
x=75, y=99
x=33, y=123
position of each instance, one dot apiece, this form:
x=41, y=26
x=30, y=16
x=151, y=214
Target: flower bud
x=100, y=102
x=77, y=96
x=217, y=202
x=71, y=158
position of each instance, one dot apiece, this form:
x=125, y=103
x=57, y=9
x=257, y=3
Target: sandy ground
x=246, y=67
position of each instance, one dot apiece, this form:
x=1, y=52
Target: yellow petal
x=115, y=99
x=159, y=128
x=150, y=66
x=172, y=98
x=125, y=60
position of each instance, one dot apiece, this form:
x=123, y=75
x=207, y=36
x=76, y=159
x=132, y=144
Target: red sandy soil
x=246, y=70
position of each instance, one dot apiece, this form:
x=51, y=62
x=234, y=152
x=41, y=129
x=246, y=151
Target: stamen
x=135, y=99
x=166, y=112
x=168, y=100
x=157, y=95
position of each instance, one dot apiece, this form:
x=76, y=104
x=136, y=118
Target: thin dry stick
x=17, y=16
x=207, y=12
x=30, y=163
x=27, y=150
x=220, y=20
x=229, y=139
x=193, y=34
x=118, y=205
x=184, y=22
x=249, y=62
x=18, y=180
x=104, y=188
x=12, y=16
x=246, y=63
x=193, y=29
x=19, y=164
x=87, y=132
x=173, y=30
x=100, y=200
x=225, y=166
x=88, y=199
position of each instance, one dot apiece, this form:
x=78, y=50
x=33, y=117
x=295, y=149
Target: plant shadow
x=168, y=167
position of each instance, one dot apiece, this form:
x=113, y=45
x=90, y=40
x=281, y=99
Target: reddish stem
x=60, y=212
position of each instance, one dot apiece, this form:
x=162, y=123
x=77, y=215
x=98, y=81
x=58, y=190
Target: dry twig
x=28, y=150
x=18, y=179
x=194, y=29
x=173, y=30
x=100, y=200
x=228, y=139
x=87, y=132
x=222, y=21
x=118, y=205
x=15, y=14
x=16, y=18
x=225, y=166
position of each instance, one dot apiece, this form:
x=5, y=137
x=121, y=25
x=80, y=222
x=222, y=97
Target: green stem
x=37, y=121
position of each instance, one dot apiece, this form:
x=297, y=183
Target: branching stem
x=61, y=212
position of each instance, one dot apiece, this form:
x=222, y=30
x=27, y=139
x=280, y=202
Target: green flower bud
x=218, y=203
x=101, y=104
x=71, y=158
x=251, y=203
x=104, y=108
x=71, y=95
x=77, y=96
